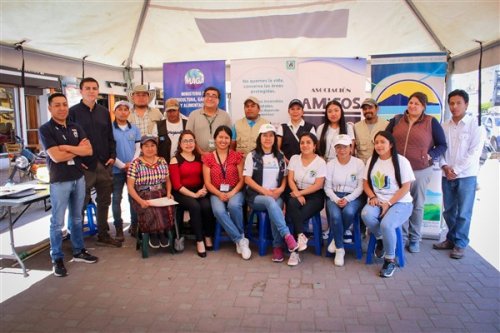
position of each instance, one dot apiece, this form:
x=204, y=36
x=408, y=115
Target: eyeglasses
x=211, y=96
x=186, y=141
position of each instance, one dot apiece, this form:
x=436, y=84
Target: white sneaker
x=339, y=257
x=238, y=248
x=331, y=248
x=294, y=259
x=245, y=248
x=302, y=241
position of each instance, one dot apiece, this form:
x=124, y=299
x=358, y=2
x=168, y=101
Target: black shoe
x=58, y=268
x=85, y=257
x=388, y=268
x=379, y=249
x=209, y=248
x=107, y=240
x=154, y=241
x=201, y=254
x=164, y=242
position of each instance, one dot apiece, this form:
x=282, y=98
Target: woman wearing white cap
x=334, y=124
x=265, y=175
x=343, y=187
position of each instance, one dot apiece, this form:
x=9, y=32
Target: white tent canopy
x=117, y=34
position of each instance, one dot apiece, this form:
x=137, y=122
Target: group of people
x=374, y=168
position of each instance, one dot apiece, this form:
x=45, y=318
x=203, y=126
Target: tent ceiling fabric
x=188, y=30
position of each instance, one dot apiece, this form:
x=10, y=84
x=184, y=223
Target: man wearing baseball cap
x=169, y=129
x=127, y=137
x=289, y=133
x=246, y=130
x=365, y=129
x=142, y=115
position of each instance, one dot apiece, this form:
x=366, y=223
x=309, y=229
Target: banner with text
x=394, y=79
x=186, y=81
x=315, y=81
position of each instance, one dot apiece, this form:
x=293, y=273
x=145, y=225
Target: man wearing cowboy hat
x=142, y=115
x=169, y=129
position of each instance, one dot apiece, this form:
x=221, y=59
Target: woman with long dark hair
x=306, y=177
x=186, y=173
x=387, y=182
x=420, y=138
x=265, y=176
x=333, y=125
x=223, y=175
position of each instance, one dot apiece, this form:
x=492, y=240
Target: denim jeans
x=230, y=215
x=64, y=195
x=412, y=229
x=273, y=207
x=458, y=200
x=385, y=228
x=340, y=219
x=119, y=181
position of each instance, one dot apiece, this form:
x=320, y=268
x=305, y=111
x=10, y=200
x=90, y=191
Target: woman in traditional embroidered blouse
x=147, y=179
x=223, y=175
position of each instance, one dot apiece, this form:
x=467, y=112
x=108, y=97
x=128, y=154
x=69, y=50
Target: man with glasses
x=169, y=129
x=203, y=122
x=365, y=129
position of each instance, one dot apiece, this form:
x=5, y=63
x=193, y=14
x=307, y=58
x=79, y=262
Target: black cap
x=296, y=102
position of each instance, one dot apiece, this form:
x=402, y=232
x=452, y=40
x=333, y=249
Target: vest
x=258, y=171
x=289, y=144
x=413, y=142
x=364, y=137
x=246, y=136
x=164, y=142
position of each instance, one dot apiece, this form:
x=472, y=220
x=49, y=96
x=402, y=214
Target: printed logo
x=75, y=132
x=312, y=173
x=194, y=78
x=290, y=64
x=380, y=181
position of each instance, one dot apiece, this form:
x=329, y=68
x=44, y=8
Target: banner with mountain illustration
x=394, y=79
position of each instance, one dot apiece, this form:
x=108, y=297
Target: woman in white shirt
x=306, y=177
x=265, y=176
x=334, y=125
x=343, y=187
x=387, y=181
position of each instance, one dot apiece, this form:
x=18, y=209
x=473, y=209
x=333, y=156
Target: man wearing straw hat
x=142, y=115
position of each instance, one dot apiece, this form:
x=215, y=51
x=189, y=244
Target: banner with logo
x=186, y=81
x=394, y=79
x=315, y=81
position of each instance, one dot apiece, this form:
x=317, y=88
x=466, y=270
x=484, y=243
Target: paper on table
x=162, y=202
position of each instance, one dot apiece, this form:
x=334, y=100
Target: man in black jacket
x=170, y=129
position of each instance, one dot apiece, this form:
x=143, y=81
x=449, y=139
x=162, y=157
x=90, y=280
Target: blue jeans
x=119, y=181
x=273, y=207
x=385, y=228
x=71, y=195
x=230, y=215
x=340, y=219
x=458, y=201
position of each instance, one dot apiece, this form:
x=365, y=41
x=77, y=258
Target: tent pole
x=138, y=31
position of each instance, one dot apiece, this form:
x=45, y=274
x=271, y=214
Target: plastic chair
x=356, y=239
x=265, y=238
x=219, y=237
x=400, y=253
x=90, y=228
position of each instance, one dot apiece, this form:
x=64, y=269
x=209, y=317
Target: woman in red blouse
x=223, y=174
x=186, y=174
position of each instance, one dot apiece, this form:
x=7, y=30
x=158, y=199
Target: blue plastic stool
x=219, y=237
x=356, y=239
x=265, y=238
x=317, y=240
x=90, y=228
x=400, y=253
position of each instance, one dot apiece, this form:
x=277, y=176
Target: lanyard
x=222, y=166
x=211, y=122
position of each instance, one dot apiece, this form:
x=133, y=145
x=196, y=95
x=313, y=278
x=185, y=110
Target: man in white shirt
x=169, y=129
x=460, y=165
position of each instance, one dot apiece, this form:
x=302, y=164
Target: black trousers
x=200, y=212
x=298, y=214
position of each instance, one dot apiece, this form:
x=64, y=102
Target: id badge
x=71, y=162
x=211, y=143
x=224, y=187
